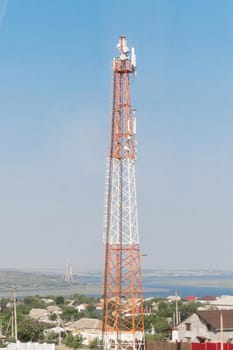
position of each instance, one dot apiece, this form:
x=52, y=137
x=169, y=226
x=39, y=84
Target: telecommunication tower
x=123, y=322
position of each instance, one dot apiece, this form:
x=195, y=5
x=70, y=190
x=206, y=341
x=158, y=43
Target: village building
x=225, y=302
x=89, y=328
x=206, y=326
x=47, y=300
x=81, y=307
x=42, y=315
x=54, y=309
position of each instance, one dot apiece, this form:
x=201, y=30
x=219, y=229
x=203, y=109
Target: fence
x=154, y=345
x=212, y=346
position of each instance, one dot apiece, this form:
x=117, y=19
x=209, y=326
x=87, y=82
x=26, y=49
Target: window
x=188, y=326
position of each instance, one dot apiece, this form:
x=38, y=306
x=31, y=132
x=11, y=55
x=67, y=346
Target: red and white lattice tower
x=123, y=323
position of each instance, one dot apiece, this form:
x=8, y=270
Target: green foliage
x=5, y=318
x=187, y=309
x=3, y=304
x=166, y=309
x=70, y=314
x=156, y=322
x=91, y=307
x=160, y=323
x=52, y=337
x=30, y=330
x=34, y=302
x=156, y=337
x=83, y=299
x=22, y=310
x=94, y=343
x=53, y=317
x=73, y=341
x=148, y=322
x=60, y=300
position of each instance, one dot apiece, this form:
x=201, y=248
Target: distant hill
x=46, y=282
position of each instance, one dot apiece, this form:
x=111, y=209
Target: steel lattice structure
x=123, y=323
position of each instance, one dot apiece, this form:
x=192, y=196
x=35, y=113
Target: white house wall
x=199, y=329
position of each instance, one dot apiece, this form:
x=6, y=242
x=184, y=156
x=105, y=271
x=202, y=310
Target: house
x=173, y=298
x=190, y=298
x=206, y=326
x=206, y=299
x=54, y=309
x=89, y=328
x=47, y=300
x=70, y=302
x=81, y=307
x=225, y=302
x=57, y=330
x=99, y=307
x=41, y=315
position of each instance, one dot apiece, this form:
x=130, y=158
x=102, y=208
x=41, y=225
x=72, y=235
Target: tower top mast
x=125, y=55
x=123, y=117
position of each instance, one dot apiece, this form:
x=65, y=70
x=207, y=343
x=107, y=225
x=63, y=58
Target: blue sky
x=55, y=103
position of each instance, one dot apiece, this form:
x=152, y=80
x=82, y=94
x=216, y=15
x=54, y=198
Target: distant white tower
x=68, y=272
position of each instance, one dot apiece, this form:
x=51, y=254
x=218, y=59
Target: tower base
x=123, y=340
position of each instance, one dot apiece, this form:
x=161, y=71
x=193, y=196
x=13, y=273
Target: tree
x=34, y=301
x=160, y=323
x=83, y=299
x=30, y=330
x=22, y=310
x=156, y=322
x=60, y=300
x=52, y=337
x=187, y=309
x=53, y=317
x=70, y=314
x=166, y=309
x=3, y=304
x=156, y=337
x=91, y=307
x=73, y=341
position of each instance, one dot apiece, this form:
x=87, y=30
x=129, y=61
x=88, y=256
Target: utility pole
x=177, y=317
x=59, y=328
x=12, y=324
x=221, y=328
x=15, y=315
x=123, y=319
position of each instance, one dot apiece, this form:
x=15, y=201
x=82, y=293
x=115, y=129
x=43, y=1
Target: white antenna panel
x=133, y=57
